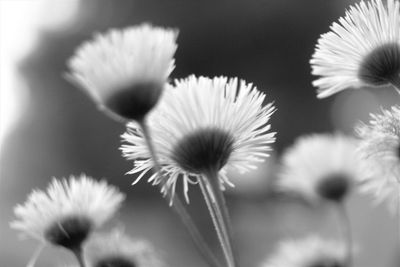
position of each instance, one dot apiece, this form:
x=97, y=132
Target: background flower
x=125, y=70
x=320, y=166
x=79, y=204
x=306, y=252
x=379, y=149
x=363, y=48
x=118, y=249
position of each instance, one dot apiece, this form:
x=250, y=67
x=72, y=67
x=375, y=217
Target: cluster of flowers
x=68, y=214
x=194, y=129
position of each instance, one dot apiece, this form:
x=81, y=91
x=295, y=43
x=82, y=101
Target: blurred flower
x=380, y=150
x=203, y=125
x=117, y=249
x=320, y=166
x=125, y=71
x=67, y=213
x=311, y=251
x=362, y=49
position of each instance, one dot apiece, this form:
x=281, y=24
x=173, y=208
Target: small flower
x=203, y=125
x=125, y=70
x=311, y=251
x=320, y=166
x=362, y=49
x=380, y=150
x=67, y=213
x=117, y=249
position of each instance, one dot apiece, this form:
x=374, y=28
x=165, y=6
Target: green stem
x=346, y=232
x=178, y=206
x=79, y=256
x=218, y=224
x=35, y=255
x=215, y=185
x=212, y=178
x=398, y=217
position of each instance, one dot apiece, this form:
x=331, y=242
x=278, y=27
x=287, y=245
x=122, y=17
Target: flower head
x=68, y=212
x=362, y=49
x=320, y=166
x=125, y=70
x=380, y=150
x=311, y=251
x=203, y=125
x=117, y=249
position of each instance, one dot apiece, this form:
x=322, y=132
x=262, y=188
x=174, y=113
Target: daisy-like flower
x=203, y=125
x=380, y=150
x=320, y=166
x=363, y=49
x=117, y=249
x=68, y=212
x=125, y=70
x=311, y=251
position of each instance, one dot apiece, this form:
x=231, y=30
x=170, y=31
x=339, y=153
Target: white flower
x=362, y=49
x=125, y=70
x=203, y=125
x=117, y=249
x=67, y=213
x=380, y=150
x=320, y=166
x=308, y=252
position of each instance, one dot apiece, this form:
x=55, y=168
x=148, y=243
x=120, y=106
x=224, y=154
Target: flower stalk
x=398, y=217
x=79, y=256
x=345, y=226
x=35, y=255
x=210, y=187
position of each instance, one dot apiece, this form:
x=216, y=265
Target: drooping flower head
x=203, y=125
x=362, y=49
x=68, y=211
x=320, y=166
x=119, y=250
x=380, y=150
x=125, y=70
x=311, y=251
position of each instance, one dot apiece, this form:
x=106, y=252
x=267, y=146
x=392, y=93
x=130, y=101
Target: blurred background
x=49, y=128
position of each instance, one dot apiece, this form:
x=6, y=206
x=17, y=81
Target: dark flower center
x=204, y=150
x=69, y=232
x=115, y=261
x=327, y=263
x=382, y=65
x=133, y=103
x=333, y=187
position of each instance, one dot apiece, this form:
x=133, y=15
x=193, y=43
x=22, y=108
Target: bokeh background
x=49, y=128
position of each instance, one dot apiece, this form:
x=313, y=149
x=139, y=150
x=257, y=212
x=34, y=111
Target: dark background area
x=267, y=42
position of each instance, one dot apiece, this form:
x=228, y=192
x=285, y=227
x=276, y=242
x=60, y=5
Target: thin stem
x=221, y=209
x=398, y=217
x=395, y=82
x=79, y=256
x=215, y=186
x=178, y=206
x=195, y=234
x=208, y=197
x=346, y=232
x=35, y=255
